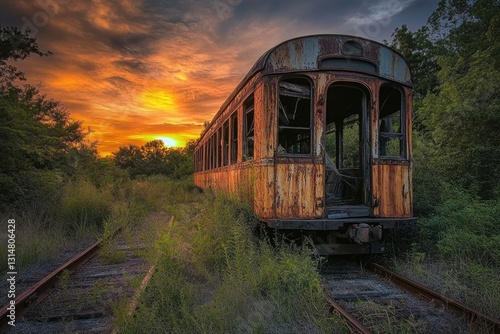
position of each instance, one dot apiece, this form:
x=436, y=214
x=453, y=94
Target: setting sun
x=168, y=142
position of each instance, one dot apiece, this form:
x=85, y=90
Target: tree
x=153, y=158
x=461, y=114
x=36, y=133
x=15, y=45
x=156, y=158
x=130, y=158
x=421, y=54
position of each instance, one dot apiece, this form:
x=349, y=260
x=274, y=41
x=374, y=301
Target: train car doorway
x=347, y=151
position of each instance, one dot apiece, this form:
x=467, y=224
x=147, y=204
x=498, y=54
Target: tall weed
x=84, y=206
x=216, y=277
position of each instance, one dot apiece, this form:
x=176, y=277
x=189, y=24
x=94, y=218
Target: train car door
x=347, y=151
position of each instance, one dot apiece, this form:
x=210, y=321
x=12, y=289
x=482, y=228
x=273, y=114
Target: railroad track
x=83, y=294
x=376, y=300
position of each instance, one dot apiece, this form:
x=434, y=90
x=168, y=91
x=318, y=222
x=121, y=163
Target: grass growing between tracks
x=214, y=276
x=458, y=251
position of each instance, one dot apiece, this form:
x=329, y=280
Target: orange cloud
x=137, y=70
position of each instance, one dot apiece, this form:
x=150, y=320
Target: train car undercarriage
x=343, y=236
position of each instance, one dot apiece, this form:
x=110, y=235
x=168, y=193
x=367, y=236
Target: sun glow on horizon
x=168, y=142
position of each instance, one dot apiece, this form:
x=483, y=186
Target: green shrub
x=85, y=206
x=460, y=243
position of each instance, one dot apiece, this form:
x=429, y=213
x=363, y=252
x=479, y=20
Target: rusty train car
x=317, y=138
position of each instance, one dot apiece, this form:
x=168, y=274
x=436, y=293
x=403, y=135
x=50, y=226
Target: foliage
x=215, y=277
x=463, y=227
x=154, y=158
x=420, y=53
x=457, y=106
x=456, y=149
x=37, y=133
x=85, y=205
x=458, y=250
x=15, y=45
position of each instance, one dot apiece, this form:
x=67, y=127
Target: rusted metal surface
x=335, y=224
x=354, y=324
x=284, y=186
x=392, y=190
x=264, y=184
x=431, y=295
x=84, y=302
x=303, y=54
x=384, y=307
x=294, y=190
x=35, y=293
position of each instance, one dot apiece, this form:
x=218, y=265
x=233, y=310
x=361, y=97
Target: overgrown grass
x=458, y=250
x=386, y=320
x=60, y=213
x=57, y=217
x=214, y=276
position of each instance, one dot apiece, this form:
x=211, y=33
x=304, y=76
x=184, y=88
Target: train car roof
x=329, y=52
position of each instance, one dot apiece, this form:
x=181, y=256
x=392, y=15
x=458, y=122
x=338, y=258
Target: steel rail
x=353, y=323
x=38, y=291
x=428, y=294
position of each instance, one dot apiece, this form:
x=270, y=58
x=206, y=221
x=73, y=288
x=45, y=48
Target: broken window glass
x=294, y=116
x=391, y=123
x=249, y=129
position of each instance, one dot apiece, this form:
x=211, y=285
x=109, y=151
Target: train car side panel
x=392, y=190
x=264, y=190
x=294, y=190
x=245, y=183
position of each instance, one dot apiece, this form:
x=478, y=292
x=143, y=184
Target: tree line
x=41, y=146
x=455, y=62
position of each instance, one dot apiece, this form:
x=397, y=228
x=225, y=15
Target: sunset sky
x=138, y=70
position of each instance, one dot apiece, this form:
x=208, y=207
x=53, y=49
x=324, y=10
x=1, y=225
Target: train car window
x=234, y=138
x=205, y=157
x=391, y=123
x=212, y=152
x=225, y=143
x=249, y=128
x=294, y=116
x=219, y=147
x=209, y=153
x=200, y=159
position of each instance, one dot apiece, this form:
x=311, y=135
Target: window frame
x=282, y=152
x=248, y=107
x=402, y=134
x=234, y=134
